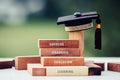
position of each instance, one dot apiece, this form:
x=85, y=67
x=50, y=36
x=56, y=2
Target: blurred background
x=23, y=22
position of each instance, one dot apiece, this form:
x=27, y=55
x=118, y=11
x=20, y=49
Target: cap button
x=77, y=14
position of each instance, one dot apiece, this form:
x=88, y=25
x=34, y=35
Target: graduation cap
x=82, y=21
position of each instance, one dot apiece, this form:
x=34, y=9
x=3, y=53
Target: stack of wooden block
x=57, y=58
x=60, y=53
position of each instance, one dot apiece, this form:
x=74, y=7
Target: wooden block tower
x=66, y=57
x=78, y=22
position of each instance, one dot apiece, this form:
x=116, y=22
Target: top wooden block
x=58, y=43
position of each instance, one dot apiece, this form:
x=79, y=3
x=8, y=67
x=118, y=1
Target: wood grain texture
x=59, y=52
x=113, y=66
x=6, y=64
x=22, y=61
x=62, y=61
x=58, y=44
x=78, y=35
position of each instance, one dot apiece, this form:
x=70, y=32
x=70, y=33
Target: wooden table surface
x=12, y=74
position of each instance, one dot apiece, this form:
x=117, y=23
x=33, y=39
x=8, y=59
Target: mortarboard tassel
x=98, y=35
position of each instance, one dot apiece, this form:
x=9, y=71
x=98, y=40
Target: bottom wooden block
x=113, y=66
x=6, y=64
x=22, y=61
x=39, y=70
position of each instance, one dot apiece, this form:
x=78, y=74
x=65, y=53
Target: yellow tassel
x=98, y=26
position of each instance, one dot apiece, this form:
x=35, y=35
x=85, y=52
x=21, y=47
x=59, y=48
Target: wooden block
x=101, y=64
x=59, y=52
x=62, y=61
x=67, y=71
x=94, y=69
x=6, y=64
x=78, y=35
x=79, y=27
x=22, y=61
x=87, y=70
x=39, y=70
x=58, y=44
x=36, y=69
x=113, y=66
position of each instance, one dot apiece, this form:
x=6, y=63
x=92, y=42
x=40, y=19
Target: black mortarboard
x=81, y=19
